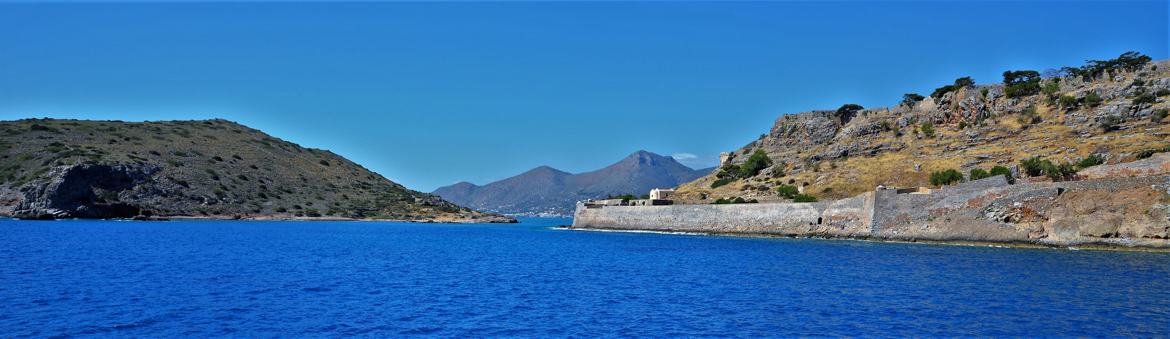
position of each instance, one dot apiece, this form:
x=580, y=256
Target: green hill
x=214, y=168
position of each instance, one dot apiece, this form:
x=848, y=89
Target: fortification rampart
x=1129, y=212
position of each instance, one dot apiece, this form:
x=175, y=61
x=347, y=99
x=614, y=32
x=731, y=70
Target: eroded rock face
x=84, y=191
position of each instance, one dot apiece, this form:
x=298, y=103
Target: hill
x=545, y=190
x=214, y=168
x=1106, y=110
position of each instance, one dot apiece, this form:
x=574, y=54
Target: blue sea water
x=379, y=279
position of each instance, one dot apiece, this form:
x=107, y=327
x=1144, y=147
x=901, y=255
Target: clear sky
x=429, y=94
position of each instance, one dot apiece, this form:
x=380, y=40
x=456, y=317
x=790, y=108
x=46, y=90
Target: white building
x=661, y=193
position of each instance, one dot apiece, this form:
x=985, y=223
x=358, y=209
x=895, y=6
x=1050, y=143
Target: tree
x=1021, y=83
x=847, y=112
x=911, y=99
x=959, y=83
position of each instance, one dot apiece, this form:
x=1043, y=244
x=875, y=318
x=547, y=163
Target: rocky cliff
x=215, y=169
x=547, y=191
x=1114, y=110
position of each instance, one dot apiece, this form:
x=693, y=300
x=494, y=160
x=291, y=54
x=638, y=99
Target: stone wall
x=1122, y=212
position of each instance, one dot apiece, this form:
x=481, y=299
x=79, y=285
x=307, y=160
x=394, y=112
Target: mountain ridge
x=545, y=190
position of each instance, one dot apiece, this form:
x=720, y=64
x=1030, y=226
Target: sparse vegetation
x=959, y=84
x=927, y=129
x=911, y=99
x=945, y=177
x=1021, y=83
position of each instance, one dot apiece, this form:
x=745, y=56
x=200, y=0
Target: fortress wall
x=845, y=217
x=986, y=210
x=788, y=219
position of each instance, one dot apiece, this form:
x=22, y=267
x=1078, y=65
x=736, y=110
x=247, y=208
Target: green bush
x=1160, y=115
x=804, y=198
x=1162, y=92
x=1029, y=117
x=1000, y=170
x=787, y=191
x=978, y=173
x=721, y=181
x=1059, y=172
x=1150, y=152
x=1109, y=123
x=1092, y=99
x=1143, y=100
x=1032, y=166
x=927, y=129
x=1090, y=161
x=945, y=177
x=1068, y=102
x=754, y=164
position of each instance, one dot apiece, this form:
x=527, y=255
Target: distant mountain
x=53, y=168
x=546, y=190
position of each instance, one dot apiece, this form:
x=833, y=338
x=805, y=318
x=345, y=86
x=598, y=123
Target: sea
x=390, y=279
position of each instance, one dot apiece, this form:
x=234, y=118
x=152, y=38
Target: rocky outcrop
x=86, y=191
x=975, y=126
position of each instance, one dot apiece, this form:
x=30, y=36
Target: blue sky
x=429, y=94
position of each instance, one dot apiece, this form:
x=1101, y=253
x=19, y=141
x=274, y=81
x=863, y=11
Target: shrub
x=1000, y=170
x=804, y=198
x=754, y=164
x=1109, y=123
x=962, y=125
x=1092, y=99
x=910, y=99
x=1090, y=161
x=1029, y=116
x=1162, y=92
x=787, y=191
x=1021, y=83
x=978, y=173
x=927, y=129
x=945, y=177
x=1143, y=100
x=1032, y=166
x=323, y=162
x=721, y=182
x=1063, y=171
x=1051, y=87
x=1150, y=152
x=1068, y=102
x=1160, y=115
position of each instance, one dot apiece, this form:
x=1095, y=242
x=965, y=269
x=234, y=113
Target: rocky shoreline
x=1117, y=208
